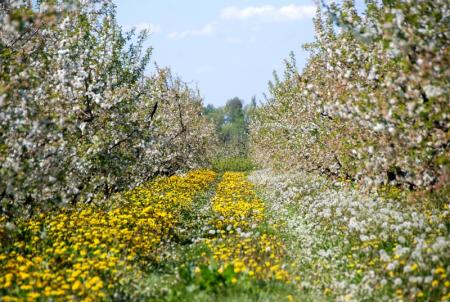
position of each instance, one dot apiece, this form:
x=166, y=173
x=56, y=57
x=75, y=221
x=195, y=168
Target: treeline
x=232, y=126
x=372, y=103
x=79, y=119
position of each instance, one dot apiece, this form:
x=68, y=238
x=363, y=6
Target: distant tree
x=249, y=112
x=208, y=109
x=231, y=123
x=233, y=110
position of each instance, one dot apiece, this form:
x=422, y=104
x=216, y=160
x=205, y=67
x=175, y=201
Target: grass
x=235, y=164
x=182, y=275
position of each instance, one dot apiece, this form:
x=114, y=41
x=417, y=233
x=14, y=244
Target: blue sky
x=226, y=48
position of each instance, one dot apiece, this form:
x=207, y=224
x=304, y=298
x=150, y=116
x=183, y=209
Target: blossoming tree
x=78, y=116
x=372, y=102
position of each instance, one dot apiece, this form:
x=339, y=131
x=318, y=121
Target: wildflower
x=98, y=245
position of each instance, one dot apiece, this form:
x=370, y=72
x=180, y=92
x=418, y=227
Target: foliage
x=372, y=102
x=78, y=116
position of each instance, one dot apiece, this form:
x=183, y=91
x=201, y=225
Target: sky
x=226, y=48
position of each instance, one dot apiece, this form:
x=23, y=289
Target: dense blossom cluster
x=77, y=115
x=236, y=239
x=372, y=102
x=84, y=253
x=352, y=247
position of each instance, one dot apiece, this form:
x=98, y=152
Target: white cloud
x=206, y=30
x=269, y=13
x=152, y=28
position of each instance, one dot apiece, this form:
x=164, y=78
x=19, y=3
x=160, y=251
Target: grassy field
x=196, y=237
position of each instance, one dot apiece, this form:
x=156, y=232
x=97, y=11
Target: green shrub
x=237, y=164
